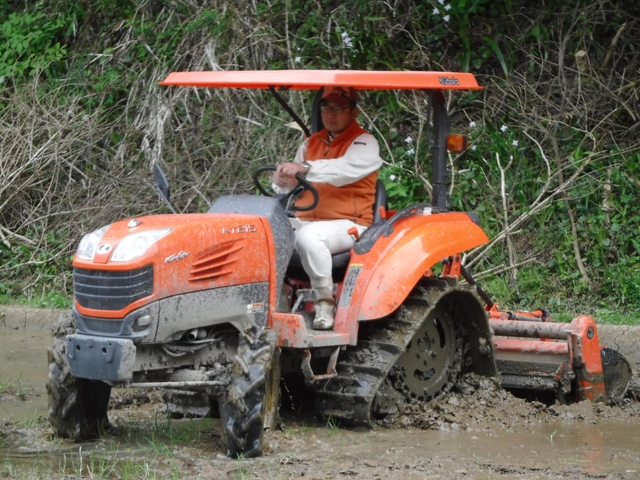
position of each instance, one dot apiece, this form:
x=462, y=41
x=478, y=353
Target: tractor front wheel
x=251, y=404
x=77, y=406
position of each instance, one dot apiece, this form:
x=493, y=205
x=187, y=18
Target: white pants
x=316, y=241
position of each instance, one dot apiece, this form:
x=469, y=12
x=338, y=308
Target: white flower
x=504, y=128
x=346, y=39
x=410, y=151
x=447, y=7
x=446, y=18
x=392, y=177
x=472, y=124
x=441, y=2
x=436, y=11
x=297, y=59
x=408, y=140
x=474, y=148
x=514, y=143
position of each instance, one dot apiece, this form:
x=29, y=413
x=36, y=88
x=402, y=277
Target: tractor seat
x=341, y=260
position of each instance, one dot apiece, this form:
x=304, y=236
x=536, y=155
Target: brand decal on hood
x=103, y=248
x=240, y=229
x=176, y=257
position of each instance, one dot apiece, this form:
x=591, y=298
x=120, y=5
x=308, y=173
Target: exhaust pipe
x=196, y=334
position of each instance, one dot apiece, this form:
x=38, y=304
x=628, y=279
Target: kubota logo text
x=104, y=248
x=449, y=81
x=176, y=257
x=241, y=229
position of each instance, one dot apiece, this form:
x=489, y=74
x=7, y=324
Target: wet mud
x=479, y=431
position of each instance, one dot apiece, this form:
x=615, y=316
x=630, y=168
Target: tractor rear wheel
x=77, y=406
x=432, y=361
x=251, y=404
x=415, y=355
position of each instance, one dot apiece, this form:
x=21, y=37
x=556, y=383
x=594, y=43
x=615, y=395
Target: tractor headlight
x=89, y=242
x=134, y=245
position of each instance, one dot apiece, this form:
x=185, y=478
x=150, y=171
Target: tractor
x=216, y=305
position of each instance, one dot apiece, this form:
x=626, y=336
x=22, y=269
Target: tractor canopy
x=314, y=79
x=282, y=80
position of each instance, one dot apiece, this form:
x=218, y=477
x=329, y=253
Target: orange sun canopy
x=314, y=79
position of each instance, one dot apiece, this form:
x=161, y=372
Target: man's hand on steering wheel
x=286, y=173
x=298, y=189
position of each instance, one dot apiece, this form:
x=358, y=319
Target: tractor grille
x=108, y=290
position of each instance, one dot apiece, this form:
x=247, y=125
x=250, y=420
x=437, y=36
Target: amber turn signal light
x=457, y=143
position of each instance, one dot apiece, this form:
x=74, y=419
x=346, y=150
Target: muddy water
x=591, y=450
x=489, y=434
x=23, y=365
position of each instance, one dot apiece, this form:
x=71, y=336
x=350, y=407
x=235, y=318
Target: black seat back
x=380, y=201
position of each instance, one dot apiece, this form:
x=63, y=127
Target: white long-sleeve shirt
x=361, y=158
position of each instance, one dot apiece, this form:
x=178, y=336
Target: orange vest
x=354, y=201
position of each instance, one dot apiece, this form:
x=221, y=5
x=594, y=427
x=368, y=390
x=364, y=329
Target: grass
x=243, y=472
x=6, y=386
x=106, y=466
x=615, y=317
x=332, y=425
x=30, y=421
x=163, y=430
x=55, y=300
x=294, y=429
x=14, y=386
x=135, y=469
x=564, y=299
x=108, y=458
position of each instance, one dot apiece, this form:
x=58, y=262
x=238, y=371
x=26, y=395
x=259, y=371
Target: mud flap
x=617, y=375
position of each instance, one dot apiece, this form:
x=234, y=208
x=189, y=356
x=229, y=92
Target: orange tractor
x=216, y=304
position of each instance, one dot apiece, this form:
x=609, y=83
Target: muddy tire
x=77, y=406
x=432, y=361
x=250, y=406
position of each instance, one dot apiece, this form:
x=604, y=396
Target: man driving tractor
x=342, y=162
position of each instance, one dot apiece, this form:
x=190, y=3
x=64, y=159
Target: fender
x=379, y=281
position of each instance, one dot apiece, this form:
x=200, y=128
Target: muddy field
x=485, y=434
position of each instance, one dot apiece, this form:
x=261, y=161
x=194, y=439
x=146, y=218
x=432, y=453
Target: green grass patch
x=13, y=386
x=57, y=300
x=163, y=434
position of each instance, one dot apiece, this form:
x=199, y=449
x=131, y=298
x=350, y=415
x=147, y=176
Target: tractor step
x=299, y=334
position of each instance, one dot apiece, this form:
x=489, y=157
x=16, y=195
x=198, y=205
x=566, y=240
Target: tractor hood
x=175, y=254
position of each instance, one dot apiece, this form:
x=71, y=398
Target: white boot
x=324, y=309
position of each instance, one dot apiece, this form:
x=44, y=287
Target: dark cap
x=341, y=95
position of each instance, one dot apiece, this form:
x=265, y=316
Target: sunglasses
x=337, y=110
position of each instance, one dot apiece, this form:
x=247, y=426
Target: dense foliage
x=553, y=169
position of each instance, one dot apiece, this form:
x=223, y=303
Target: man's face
x=337, y=117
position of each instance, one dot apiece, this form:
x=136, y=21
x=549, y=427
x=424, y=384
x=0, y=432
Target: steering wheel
x=287, y=199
